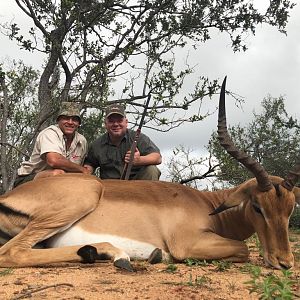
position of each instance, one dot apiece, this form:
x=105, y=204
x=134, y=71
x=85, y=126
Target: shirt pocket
x=77, y=156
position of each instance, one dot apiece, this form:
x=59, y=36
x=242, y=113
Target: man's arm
x=57, y=161
x=153, y=158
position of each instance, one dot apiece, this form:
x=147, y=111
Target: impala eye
x=257, y=209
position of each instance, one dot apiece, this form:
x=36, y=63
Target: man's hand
x=87, y=169
x=136, y=158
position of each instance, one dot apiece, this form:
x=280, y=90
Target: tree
x=18, y=116
x=272, y=138
x=97, y=49
x=91, y=43
x=185, y=168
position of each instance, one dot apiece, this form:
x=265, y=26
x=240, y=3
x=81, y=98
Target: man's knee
x=23, y=179
x=49, y=173
x=148, y=173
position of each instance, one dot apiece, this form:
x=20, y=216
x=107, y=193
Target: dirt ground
x=217, y=280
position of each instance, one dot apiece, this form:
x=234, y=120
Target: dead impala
x=147, y=219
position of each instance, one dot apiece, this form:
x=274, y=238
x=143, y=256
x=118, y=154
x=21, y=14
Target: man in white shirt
x=58, y=148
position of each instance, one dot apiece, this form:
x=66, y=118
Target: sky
x=270, y=66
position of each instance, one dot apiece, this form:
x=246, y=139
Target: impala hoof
x=88, y=254
x=156, y=256
x=123, y=264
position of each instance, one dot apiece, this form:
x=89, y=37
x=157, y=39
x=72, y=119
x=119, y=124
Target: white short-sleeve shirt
x=52, y=139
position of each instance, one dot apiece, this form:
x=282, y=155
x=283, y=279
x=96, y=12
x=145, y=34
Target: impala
x=79, y=218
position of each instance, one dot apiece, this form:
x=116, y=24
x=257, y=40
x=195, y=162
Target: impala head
x=269, y=201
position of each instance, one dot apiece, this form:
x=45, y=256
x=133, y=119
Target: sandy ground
x=161, y=281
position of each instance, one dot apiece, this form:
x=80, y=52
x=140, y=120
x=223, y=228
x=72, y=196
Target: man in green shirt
x=112, y=150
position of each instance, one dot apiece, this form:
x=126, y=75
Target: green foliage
x=104, y=46
x=232, y=287
x=191, y=262
x=92, y=125
x=296, y=250
x=293, y=239
x=272, y=138
x=271, y=286
x=184, y=167
x=198, y=281
x=171, y=268
x=247, y=268
x=295, y=218
x=222, y=265
x=118, y=51
x=6, y=272
x=18, y=116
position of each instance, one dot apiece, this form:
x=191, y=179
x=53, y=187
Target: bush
x=295, y=218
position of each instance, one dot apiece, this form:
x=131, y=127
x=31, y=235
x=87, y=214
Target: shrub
x=295, y=218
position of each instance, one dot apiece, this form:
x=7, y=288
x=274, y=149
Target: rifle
x=128, y=166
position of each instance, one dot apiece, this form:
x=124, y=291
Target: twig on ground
x=29, y=293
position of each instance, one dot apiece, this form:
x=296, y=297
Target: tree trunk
x=3, y=123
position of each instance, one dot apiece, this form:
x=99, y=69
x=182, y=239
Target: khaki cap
x=115, y=109
x=69, y=109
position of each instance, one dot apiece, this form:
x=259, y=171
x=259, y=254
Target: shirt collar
x=106, y=139
x=62, y=136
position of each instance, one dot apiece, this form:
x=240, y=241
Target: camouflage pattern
x=70, y=109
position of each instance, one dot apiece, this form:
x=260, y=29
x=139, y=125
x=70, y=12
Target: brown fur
x=172, y=217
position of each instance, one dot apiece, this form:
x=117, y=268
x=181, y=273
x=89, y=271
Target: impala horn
x=264, y=183
x=292, y=177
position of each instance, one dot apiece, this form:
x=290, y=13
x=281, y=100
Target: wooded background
x=93, y=48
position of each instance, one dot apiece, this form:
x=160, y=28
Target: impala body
x=137, y=217
x=78, y=217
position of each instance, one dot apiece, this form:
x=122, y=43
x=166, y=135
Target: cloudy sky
x=271, y=66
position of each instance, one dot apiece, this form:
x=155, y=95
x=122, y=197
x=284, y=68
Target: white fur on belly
x=77, y=236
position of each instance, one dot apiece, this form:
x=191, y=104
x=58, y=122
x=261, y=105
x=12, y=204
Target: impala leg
x=93, y=252
x=211, y=246
x=24, y=257
x=43, y=224
x=159, y=255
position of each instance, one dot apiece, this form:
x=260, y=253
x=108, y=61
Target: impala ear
x=231, y=202
x=296, y=192
x=235, y=199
